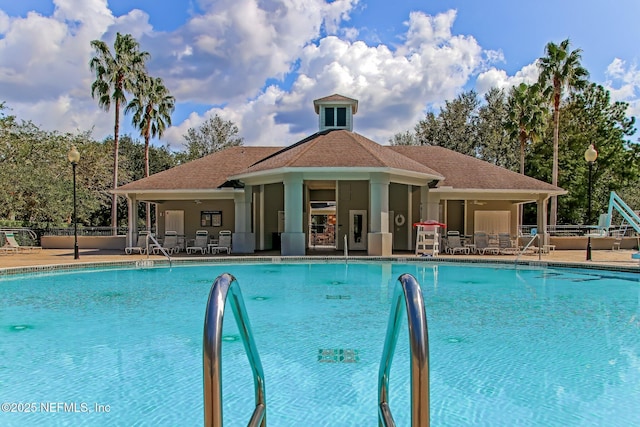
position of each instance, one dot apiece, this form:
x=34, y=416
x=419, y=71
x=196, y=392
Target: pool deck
x=64, y=257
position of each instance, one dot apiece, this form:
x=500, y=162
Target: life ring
x=400, y=220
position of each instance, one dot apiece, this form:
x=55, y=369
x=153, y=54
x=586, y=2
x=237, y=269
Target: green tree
x=403, y=138
x=152, y=107
x=560, y=71
x=525, y=120
x=493, y=142
x=116, y=74
x=454, y=127
x=590, y=117
x=213, y=135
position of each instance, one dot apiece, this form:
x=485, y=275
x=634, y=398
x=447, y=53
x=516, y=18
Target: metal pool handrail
x=537, y=236
x=212, y=352
x=159, y=246
x=407, y=291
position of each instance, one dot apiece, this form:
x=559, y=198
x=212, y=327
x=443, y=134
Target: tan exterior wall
x=498, y=205
x=192, y=213
x=398, y=203
x=273, y=202
x=352, y=195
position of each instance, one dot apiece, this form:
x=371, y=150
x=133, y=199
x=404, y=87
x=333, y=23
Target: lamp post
x=74, y=158
x=590, y=156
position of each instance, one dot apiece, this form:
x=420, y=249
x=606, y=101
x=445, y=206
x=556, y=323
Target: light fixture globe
x=73, y=155
x=591, y=154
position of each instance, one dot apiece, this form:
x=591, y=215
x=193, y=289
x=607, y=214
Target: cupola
x=335, y=112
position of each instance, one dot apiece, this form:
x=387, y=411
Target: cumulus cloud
x=499, y=79
x=231, y=54
x=623, y=82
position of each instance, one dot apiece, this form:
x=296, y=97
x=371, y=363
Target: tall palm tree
x=115, y=75
x=560, y=70
x=152, y=106
x=525, y=118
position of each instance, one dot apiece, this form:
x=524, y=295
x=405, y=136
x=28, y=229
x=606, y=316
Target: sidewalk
x=620, y=258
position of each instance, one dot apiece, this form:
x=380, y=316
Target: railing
x=84, y=231
x=407, y=291
x=24, y=236
x=536, y=236
x=156, y=246
x=212, y=352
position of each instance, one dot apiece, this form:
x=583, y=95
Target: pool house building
x=331, y=184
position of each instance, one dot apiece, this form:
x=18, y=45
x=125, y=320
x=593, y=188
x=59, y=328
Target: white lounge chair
x=505, y=245
x=170, y=243
x=454, y=243
x=200, y=243
x=140, y=247
x=224, y=242
x=481, y=241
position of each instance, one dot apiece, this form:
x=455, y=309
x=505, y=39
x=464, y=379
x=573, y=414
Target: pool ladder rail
x=212, y=352
x=407, y=296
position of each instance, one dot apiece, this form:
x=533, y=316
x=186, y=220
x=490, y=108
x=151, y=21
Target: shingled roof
x=208, y=172
x=466, y=172
x=338, y=149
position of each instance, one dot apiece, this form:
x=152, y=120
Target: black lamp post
x=590, y=156
x=74, y=158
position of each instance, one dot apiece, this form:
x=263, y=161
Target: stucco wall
x=84, y=242
x=192, y=213
x=352, y=195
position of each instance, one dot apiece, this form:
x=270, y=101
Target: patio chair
x=481, y=240
x=454, y=244
x=505, y=246
x=140, y=246
x=224, y=242
x=200, y=242
x=13, y=243
x=170, y=244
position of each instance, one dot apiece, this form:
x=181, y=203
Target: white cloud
x=623, y=81
x=499, y=78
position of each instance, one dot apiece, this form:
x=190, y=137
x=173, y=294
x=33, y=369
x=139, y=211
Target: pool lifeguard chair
x=428, y=237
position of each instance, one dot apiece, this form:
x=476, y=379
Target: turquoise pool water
x=525, y=347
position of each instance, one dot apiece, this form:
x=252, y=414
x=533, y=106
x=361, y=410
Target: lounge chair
x=454, y=244
x=170, y=244
x=12, y=243
x=505, y=245
x=224, y=242
x=481, y=241
x=200, y=243
x=140, y=247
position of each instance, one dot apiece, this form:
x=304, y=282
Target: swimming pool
x=527, y=347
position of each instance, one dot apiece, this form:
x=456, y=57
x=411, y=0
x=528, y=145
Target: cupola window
x=335, y=117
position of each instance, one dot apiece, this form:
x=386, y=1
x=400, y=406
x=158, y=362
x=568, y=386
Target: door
x=358, y=230
x=174, y=221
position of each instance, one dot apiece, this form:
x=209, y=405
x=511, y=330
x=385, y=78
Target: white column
x=541, y=219
x=292, y=240
x=379, y=240
x=132, y=215
x=243, y=240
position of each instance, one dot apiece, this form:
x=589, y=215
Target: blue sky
x=261, y=63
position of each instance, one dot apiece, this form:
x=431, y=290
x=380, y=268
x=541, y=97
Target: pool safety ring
x=400, y=220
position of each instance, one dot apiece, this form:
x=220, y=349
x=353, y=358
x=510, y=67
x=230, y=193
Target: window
x=341, y=116
x=335, y=117
x=329, y=116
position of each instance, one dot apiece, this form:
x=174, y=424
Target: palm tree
x=115, y=75
x=560, y=70
x=525, y=119
x=152, y=107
